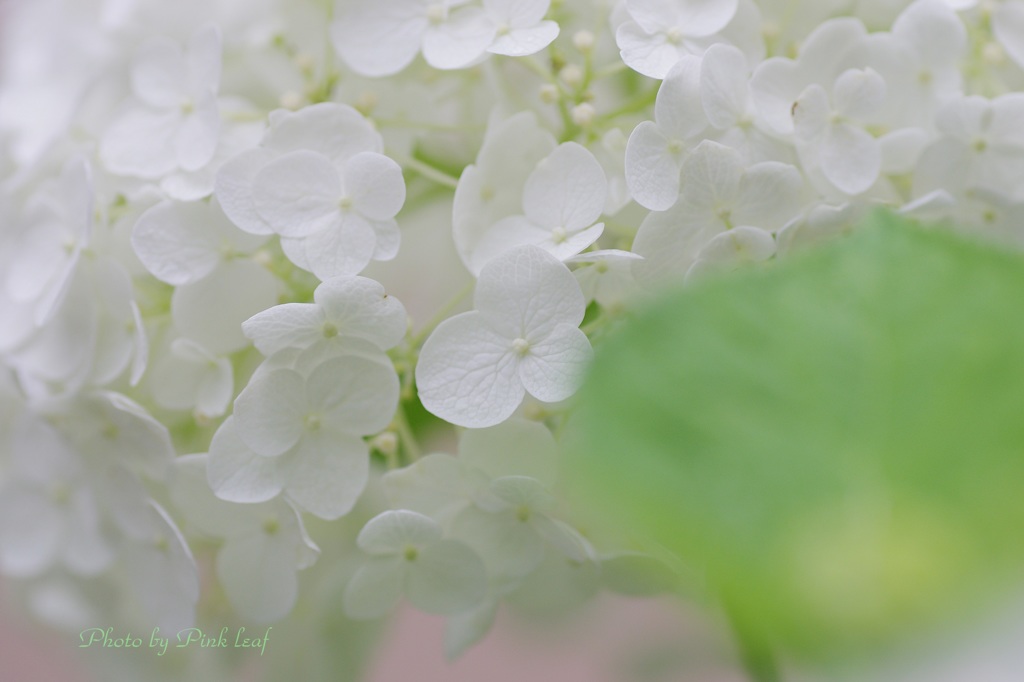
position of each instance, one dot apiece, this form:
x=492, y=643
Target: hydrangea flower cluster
x=200, y=352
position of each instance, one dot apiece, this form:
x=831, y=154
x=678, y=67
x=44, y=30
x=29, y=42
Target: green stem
x=756, y=656
x=426, y=170
x=409, y=443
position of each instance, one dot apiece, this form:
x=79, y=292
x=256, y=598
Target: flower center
x=559, y=235
x=345, y=204
x=411, y=553
x=523, y=513
x=312, y=422
x=329, y=330
x=437, y=13
x=271, y=526
x=674, y=35
x=521, y=346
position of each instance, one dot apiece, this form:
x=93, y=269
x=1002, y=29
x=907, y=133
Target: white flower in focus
x=656, y=37
x=492, y=188
x=382, y=37
x=519, y=26
x=523, y=337
x=342, y=308
x=719, y=193
x=656, y=149
x=172, y=120
x=562, y=199
x=409, y=557
x=264, y=544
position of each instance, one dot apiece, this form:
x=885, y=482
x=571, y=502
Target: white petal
x=553, y=368
x=374, y=184
x=724, y=85
x=436, y=486
x=195, y=141
x=327, y=473
x=204, y=59
x=652, y=169
x=31, y=532
x=159, y=75
x=467, y=373
x=378, y=38
x=212, y=310
x=527, y=291
x=257, y=572
x=697, y=18
x=509, y=547
x=174, y=243
x=568, y=189
x=233, y=188
x=901, y=149
x=459, y=40
x=269, y=412
x=360, y=307
x=393, y=531
x=236, y=473
x=354, y=394
x=298, y=194
x=775, y=87
x=515, y=448
x=770, y=195
x=337, y=131
x=651, y=55
x=520, y=42
x=375, y=589
x=467, y=628
x=859, y=94
x=851, y=158
x=446, y=578
x=342, y=248
x=1008, y=27
x=678, y=108
x=711, y=176
x=140, y=142
x=291, y=325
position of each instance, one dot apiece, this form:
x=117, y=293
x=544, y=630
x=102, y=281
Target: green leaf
x=834, y=443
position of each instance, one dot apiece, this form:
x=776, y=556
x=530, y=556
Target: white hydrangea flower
x=264, y=544
x=519, y=26
x=562, y=200
x=830, y=129
x=57, y=225
x=182, y=243
x=729, y=250
x=48, y=511
x=188, y=377
x=297, y=429
x=342, y=308
x=656, y=149
x=606, y=276
x=492, y=188
x=980, y=144
x=719, y=193
x=319, y=180
x=777, y=83
x=382, y=37
x=523, y=337
x=172, y=120
x=408, y=556
x=656, y=37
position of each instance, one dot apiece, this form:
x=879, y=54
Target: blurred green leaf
x=836, y=443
